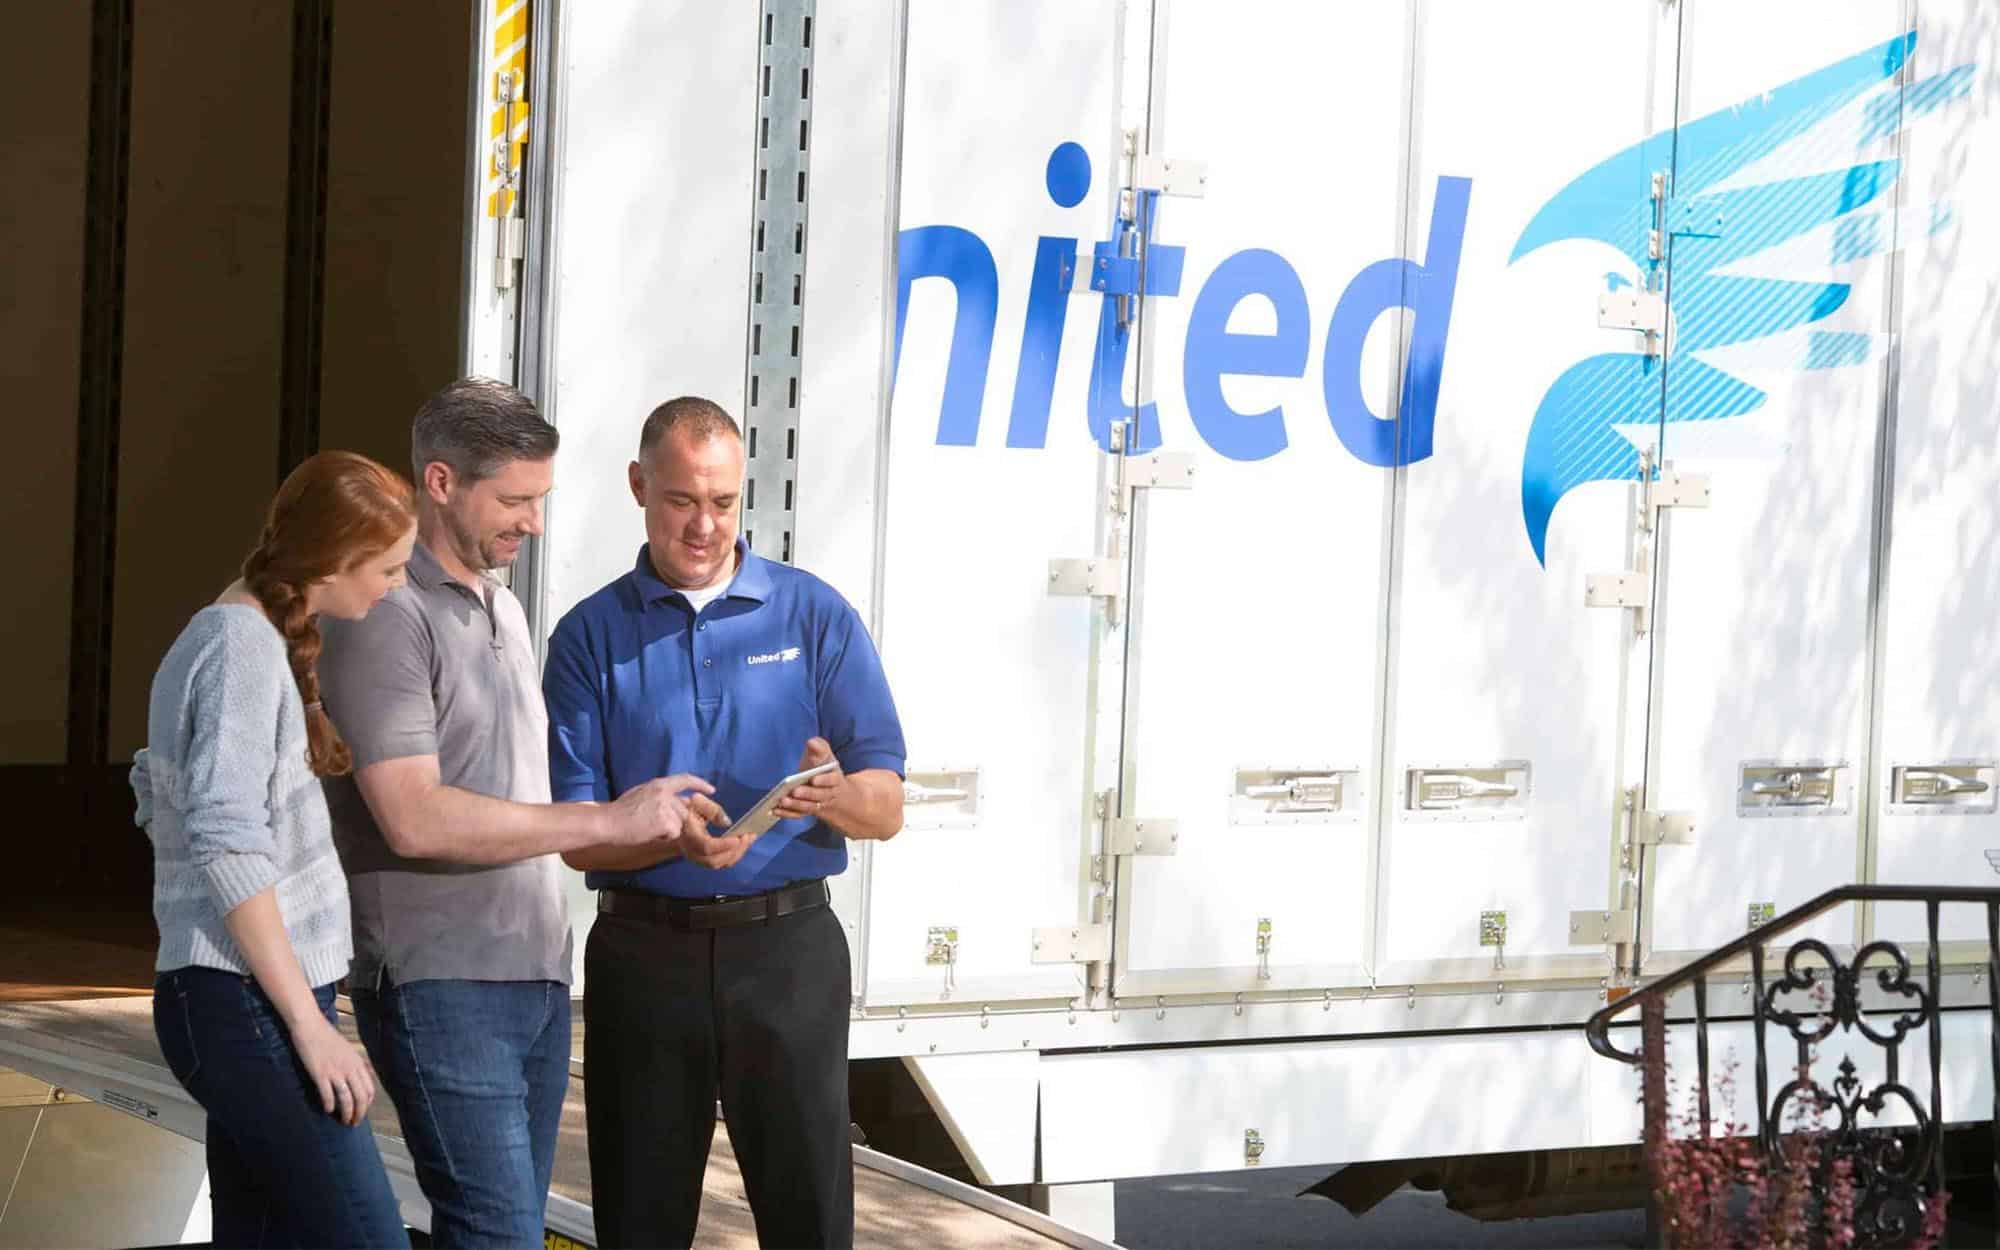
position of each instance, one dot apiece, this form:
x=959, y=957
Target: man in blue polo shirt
x=720, y=970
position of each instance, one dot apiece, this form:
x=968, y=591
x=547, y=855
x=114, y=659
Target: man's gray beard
x=489, y=560
x=466, y=545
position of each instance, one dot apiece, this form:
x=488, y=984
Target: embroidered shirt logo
x=776, y=657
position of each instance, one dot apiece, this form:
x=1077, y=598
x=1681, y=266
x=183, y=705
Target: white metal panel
x=987, y=1104
x=848, y=304
x=990, y=672
x=1764, y=636
x=849, y=294
x=1497, y=657
x=1261, y=624
x=1311, y=1102
x=1942, y=596
x=651, y=251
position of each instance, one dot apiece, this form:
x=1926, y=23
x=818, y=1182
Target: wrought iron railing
x=1892, y=1178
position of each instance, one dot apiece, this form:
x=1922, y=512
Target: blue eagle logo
x=1719, y=216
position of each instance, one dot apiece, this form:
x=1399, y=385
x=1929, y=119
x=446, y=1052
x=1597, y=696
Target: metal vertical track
x=777, y=275
x=1646, y=857
x=892, y=225
x=1149, y=134
x=1100, y=900
x=898, y=57
x=1869, y=814
x=540, y=184
x=305, y=233
x=535, y=324
x=1625, y=870
x=100, y=371
x=1395, y=498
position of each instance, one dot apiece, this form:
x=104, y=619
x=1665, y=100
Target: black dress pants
x=756, y=1013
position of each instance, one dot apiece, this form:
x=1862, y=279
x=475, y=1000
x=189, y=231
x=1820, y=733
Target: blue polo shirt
x=639, y=686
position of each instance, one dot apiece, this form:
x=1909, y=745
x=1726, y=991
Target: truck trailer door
x=1934, y=783
x=1008, y=154
x=1251, y=696
x=1786, y=200
x=1516, y=676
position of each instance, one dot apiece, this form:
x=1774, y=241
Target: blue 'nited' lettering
x=1426, y=290
x=1212, y=351
x=959, y=256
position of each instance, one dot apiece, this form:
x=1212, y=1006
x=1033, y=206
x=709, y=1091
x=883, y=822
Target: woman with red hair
x=247, y=888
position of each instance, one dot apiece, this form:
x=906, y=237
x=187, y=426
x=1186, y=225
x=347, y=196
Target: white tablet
x=761, y=817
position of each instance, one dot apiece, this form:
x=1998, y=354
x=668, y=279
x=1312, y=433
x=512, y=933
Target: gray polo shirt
x=441, y=668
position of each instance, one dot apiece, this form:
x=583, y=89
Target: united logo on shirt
x=776, y=657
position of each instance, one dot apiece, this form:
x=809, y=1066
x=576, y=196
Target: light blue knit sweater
x=231, y=804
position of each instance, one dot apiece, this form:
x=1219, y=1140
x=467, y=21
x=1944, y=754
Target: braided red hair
x=334, y=511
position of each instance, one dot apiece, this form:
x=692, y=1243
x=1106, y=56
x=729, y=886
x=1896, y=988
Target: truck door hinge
x=1170, y=176
x=1644, y=308
x=513, y=232
x=1071, y=944
x=1672, y=217
x=1632, y=308
x=510, y=229
x=1163, y=175
x=1103, y=577
x=1663, y=828
x=1673, y=489
x=1632, y=588
x=1099, y=579
x=1120, y=267
x=1656, y=238
x=1127, y=836
x=1160, y=470
x=1602, y=928
x=1615, y=590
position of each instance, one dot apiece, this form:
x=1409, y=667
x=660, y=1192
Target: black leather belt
x=715, y=912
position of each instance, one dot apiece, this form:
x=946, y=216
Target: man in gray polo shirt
x=461, y=970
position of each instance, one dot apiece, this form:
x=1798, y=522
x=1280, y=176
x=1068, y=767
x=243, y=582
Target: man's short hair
x=700, y=419
x=479, y=426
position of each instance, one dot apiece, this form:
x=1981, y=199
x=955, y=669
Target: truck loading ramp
x=103, y=1049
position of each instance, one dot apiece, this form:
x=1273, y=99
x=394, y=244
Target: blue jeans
x=478, y=1071
x=281, y=1171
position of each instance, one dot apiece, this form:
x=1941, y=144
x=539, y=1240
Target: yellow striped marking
x=511, y=29
x=510, y=56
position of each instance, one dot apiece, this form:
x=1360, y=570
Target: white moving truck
x=1386, y=522
x=1383, y=521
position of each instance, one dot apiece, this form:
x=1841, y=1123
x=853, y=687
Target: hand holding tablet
x=766, y=813
x=798, y=796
